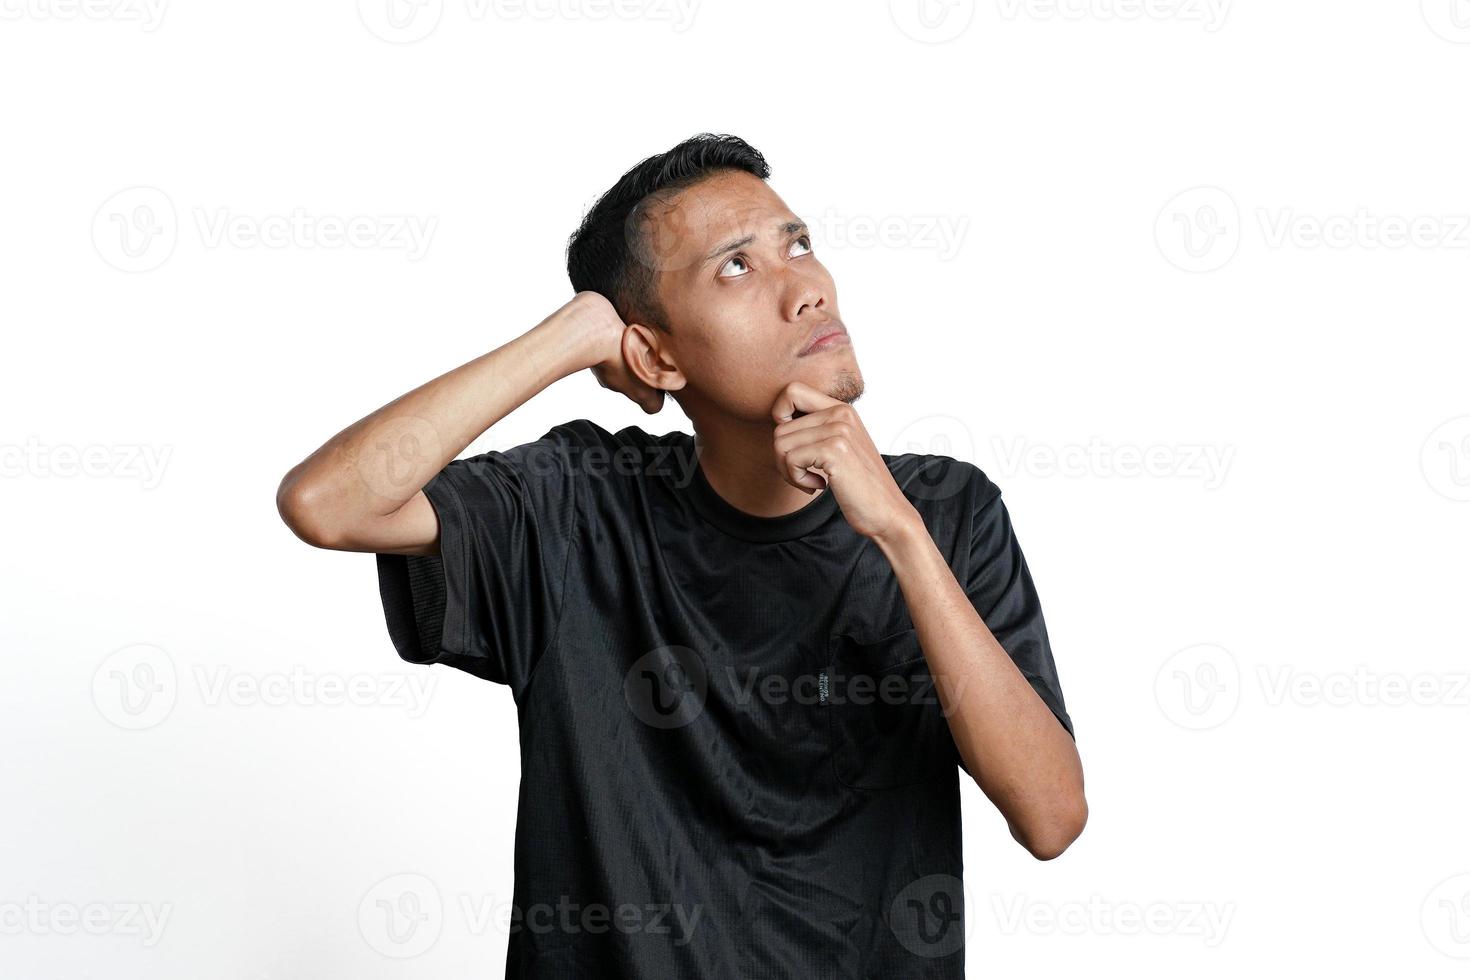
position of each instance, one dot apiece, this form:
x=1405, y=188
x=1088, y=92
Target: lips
x=822, y=337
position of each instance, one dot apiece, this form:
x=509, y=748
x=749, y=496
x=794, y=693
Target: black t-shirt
x=731, y=763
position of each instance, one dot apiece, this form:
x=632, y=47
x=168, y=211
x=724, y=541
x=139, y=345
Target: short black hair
x=608, y=254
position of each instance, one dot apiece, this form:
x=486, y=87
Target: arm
x=1016, y=749
x=1019, y=754
x=363, y=489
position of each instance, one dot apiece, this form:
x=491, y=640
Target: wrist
x=573, y=339
x=591, y=329
x=905, y=532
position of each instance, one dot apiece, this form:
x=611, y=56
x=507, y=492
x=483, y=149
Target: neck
x=739, y=463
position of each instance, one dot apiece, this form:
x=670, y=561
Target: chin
x=846, y=386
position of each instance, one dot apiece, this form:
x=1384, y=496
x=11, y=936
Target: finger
x=790, y=439
x=812, y=420
x=800, y=397
x=798, y=462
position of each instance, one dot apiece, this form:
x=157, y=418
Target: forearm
x=1011, y=743
x=370, y=469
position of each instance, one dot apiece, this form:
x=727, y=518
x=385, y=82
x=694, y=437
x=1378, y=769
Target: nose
x=809, y=296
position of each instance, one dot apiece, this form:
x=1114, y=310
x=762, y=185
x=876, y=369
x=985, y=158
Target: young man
x=748, y=665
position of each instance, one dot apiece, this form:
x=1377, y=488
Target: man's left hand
x=820, y=441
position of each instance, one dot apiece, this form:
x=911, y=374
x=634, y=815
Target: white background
x=1178, y=232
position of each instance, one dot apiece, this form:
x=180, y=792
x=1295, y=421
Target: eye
x=807, y=239
x=745, y=267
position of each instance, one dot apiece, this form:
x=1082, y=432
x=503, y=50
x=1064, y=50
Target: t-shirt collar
x=749, y=527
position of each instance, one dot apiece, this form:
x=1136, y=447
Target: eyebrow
x=785, y=228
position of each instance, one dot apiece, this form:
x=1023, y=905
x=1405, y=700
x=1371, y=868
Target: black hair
x=610, y=253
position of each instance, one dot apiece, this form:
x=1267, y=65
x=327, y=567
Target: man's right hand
x=363, y=489
x=605, y=331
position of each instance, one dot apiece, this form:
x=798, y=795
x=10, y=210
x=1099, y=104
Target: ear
x=647, y=354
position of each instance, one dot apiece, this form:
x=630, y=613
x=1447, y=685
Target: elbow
x=1049, y=842
x=300, y=507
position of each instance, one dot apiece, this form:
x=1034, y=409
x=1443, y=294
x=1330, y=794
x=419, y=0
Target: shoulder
x=593, y=450
x=937, y=483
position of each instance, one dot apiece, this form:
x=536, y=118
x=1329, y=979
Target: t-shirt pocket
x=887, y=722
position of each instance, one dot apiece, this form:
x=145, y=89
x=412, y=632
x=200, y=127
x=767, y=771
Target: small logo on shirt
x=822, y=688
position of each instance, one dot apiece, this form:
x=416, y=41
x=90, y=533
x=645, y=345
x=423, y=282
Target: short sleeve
x=1000, y=587
x=488, y=602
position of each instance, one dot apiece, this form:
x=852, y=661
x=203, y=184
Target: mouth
x=826, y=336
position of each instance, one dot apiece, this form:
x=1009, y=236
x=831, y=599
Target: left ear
x=648, y=357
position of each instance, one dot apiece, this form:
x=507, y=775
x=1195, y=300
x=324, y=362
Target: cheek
x=740, y=373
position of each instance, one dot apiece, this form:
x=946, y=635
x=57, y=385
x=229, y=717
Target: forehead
x=680, y=232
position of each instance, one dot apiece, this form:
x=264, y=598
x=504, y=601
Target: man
x=748, y=665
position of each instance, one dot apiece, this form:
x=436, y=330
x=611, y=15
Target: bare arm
x=1015, y=748
x=363, y=489
x=1012, y=745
